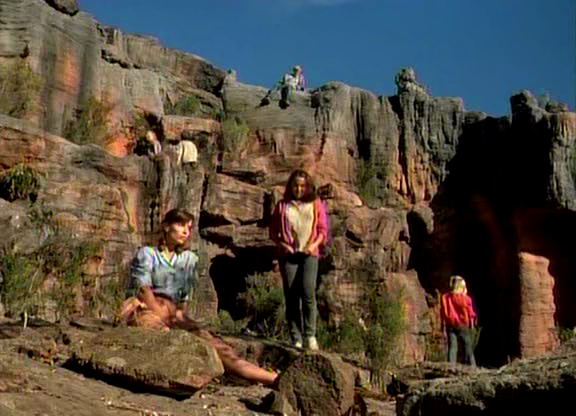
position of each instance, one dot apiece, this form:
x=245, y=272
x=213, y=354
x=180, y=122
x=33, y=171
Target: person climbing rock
x=161, y=279
x=299, y=229
x=458, y=319
x=290, y=82
x=154, y=144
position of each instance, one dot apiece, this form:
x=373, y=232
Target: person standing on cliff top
x=290, y=82
x=299, y=228
x=458, y=319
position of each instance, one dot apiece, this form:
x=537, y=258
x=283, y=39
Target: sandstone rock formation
x=318, y=384
x=537, y=386
x=421, y=188
x=138, y=358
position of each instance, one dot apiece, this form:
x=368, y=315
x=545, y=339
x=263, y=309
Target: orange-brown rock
x=538, y=334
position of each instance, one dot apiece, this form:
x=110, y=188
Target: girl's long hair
x=310, y=187
x=174, y=216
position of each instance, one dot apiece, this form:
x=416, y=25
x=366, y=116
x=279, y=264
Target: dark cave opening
x=229, y=272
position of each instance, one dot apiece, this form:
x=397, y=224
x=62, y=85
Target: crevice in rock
x=124, y=381
x=246, y=176
x=208, y=220
x=229, y=272
x=114, y=60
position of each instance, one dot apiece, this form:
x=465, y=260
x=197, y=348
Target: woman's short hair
x=174, y=216
x=177, y=216
x=458, y=284
x=310, y=187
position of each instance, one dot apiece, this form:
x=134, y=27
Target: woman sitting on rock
x=458, y=319
x=299, y=228
x=162, y=277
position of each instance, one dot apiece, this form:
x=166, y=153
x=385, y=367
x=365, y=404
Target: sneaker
x=298, y=344
x=312, y=344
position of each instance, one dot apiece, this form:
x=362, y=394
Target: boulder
x=173, y=362
x=537, y=386
x=318, y=384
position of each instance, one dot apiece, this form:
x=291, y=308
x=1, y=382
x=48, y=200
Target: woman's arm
x=321, y=228
x=471, y=313
x=275, y=230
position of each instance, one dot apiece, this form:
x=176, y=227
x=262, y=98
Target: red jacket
x=457, y=310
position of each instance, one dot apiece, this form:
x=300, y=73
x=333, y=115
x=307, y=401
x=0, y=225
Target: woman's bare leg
x=236, y=365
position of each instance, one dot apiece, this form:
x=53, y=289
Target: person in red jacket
x=458, y=319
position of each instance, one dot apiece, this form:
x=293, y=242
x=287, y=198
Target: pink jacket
x=280, y=228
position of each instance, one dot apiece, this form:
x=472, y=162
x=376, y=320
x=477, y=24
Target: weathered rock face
x=65, y=6
x=537, y=386
x=506, y=199
x=100, y=198
x=78, y=58
x=417, y=182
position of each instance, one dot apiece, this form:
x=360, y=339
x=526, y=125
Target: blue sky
x=480, y=50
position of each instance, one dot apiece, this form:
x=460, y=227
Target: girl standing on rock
x=161, y=278
x=299, y=229
x=458, y=319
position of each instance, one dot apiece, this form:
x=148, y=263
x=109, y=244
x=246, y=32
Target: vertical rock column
x=537, y=332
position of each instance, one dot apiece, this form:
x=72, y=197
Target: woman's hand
x=286, y=247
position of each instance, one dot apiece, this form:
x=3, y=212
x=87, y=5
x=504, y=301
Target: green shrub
x=565, y=335
x=188, y=105
x=54, y=271
x=234, y=134
x=22, y=281
x=228, y=325
x=347, y=338
x=89, y=122
x=265, y=310
x=107, y=296
x=376, y=341
x=386, y=323
x=20, y=88
x=19, y=182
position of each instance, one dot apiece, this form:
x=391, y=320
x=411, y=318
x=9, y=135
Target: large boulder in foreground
x=531, y=387
x=173, y=362
x=318, y=384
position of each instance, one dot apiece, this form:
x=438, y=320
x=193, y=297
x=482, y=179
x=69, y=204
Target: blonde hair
x=151, y=136
x=458, y=285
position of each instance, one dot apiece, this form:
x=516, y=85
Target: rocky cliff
x=418, y=187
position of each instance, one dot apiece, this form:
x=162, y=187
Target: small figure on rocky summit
x=299, y=229
x=290, y=82
x=459, y=319
x=161, y=279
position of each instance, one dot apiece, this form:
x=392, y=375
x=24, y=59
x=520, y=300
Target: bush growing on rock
x=19, y=182
x=19, y=88
x=371, y=183
x=89, y=122
x=51, y=274
x=188, y=105
x=234, y=134
x=375, y=341
x=265, y=309
x=386, y=324
x=347, y=338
